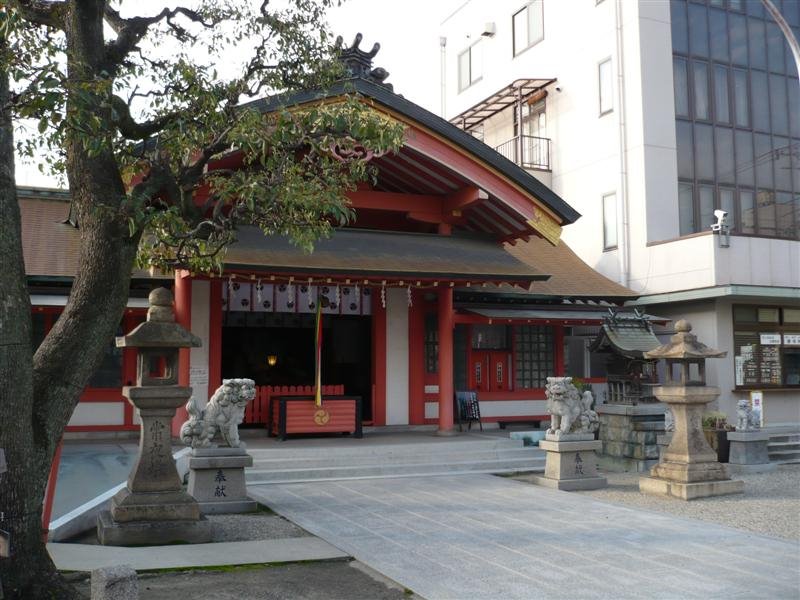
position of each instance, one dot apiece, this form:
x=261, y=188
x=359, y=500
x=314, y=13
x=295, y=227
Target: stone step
x=355, y=448
x=261, y=476
x=783, y=455
x=784, y=445
x=784, y=438
x=335, y=460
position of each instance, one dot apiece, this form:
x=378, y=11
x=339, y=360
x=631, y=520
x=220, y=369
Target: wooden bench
x=289, y=415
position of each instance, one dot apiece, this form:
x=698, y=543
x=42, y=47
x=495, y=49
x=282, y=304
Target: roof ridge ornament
x=359, y=63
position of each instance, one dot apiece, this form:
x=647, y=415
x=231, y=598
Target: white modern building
x=647, y=117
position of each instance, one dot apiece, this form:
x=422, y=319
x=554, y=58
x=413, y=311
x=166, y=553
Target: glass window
x=704, y=152
x=706, y=198
x=605, y=85
x=727, y=203
x=609, y=221
x=718, y=26
x=534, y=353
x=791, y=315
x=738, y=38
x=723, y=137
x=38, y=329
x=700, y=80
x=784, y=217
x=757, y=35
x=775, y=43
x=769, y=315
x=109, y=373
x=683, y=133
x=747, y=212
x=490, y=337
x=681, y=82
x=765, y=204
x=781, y=159
x=740, y=98
x=758, y=81
x=470, y=66
x=680, y=28
x=777, y=101
x=431, y=344
x=721, y=104
x=794, y=112
x=763, y=160
x=698, y=30
x=745, y=170
x=685, y=208
x=528, y=25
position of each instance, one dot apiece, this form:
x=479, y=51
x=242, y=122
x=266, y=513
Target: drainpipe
x=625, y=249
x=520, y=128
x=442, y=73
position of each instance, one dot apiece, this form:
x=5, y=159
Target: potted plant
x=716, y=428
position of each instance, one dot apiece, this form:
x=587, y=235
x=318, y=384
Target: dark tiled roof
x=383, y=253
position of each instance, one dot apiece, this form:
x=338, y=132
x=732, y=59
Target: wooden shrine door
x=490, y=371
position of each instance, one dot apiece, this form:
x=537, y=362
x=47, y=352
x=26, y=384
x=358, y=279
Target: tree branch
x=42, y=12
x=131, y=31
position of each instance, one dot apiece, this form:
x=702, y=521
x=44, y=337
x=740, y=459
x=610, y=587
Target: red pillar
x=215, y=336
x=183, y=316
x=379, y=359
x=445, y=318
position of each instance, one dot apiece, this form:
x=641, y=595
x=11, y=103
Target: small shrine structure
x=632, y=418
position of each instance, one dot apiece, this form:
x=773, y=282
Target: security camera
x=558, y=89
x=721, y=216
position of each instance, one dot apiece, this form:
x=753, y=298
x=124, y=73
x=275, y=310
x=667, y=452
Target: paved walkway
x=85, y=557
x=479, y=536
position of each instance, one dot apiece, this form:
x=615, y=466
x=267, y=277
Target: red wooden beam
x=464, y=198
x=419, y=203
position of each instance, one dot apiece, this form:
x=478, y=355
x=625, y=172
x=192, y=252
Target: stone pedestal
x=217, y=480
x=629, y=435
x=663, y=442
x=689, y=468
x=749, y=452
x=571, y=463
x=153, y=509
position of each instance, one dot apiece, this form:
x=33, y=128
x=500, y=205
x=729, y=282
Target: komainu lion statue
x=746, y=419
x=571, y=412
x=223, y=412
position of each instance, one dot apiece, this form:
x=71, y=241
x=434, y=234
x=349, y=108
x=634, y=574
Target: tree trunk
x=39, y=393
x=29, y=572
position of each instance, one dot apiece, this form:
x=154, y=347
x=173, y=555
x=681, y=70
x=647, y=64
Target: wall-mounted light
x=272, y=360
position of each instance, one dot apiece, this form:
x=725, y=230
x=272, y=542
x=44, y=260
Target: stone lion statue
x=223, y=413
x=571, y=412
x=746, y=420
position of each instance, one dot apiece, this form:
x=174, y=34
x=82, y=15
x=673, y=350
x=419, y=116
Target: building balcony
x=527, y=151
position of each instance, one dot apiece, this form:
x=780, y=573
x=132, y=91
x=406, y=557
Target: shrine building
x=451, y=277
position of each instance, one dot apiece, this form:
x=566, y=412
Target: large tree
x=138, y=114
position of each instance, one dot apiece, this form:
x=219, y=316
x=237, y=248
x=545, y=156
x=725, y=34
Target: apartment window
x=610, y=221
x=766, y=342
x=738, y=138
x=528, y=26
x=470, y=66
x=605, y=87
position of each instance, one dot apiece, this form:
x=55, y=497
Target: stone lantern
x=689, y=467
x=153, y=508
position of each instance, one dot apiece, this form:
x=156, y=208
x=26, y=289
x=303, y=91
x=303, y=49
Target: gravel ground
x=254, y=526
x=770, y=504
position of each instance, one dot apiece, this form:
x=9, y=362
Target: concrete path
x=479, y=536
x=85, y=557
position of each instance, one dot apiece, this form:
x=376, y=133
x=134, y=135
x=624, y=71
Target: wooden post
x=445, y=318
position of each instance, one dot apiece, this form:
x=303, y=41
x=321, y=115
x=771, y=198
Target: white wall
x=198, y=363
x=586, y=164
x=98, y=413
x=396, y=356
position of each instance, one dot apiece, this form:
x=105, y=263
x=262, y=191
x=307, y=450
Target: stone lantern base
x=151, y=533
x=690, y=491
x=571, y=463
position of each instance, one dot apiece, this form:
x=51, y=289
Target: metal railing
x=534, y=151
